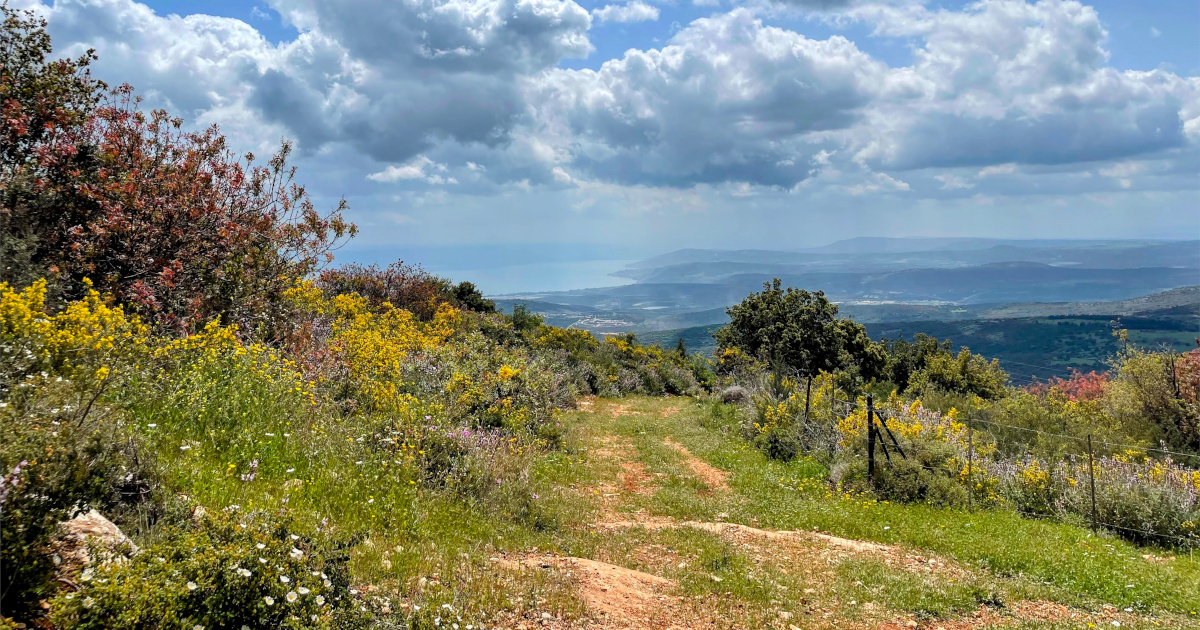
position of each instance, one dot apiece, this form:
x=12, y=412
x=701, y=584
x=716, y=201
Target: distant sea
x=538, y=276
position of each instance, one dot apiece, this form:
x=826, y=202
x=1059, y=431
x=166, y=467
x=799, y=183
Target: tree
x=170, y=222
x=963, y=374
x=467, y=296
x=905, y=358
x=40, y=102
x=798, y=332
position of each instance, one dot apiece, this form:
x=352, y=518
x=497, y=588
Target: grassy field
x=649, y=485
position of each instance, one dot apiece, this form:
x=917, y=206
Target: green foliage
x=55, y=461
x=906, y=358
x=1153, y=393
x=797, y=331
x=921, y=479
x=965, y=374
x=468, y=297
x=524, y=321
x=226, y=571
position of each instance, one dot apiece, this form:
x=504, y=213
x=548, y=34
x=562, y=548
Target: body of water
x=540, y=276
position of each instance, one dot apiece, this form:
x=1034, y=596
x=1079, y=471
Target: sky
x=547, y=133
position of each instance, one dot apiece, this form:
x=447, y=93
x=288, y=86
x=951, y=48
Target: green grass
x=412, y=532
x=1058, y=561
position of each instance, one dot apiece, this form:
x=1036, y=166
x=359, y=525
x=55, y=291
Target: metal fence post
x=1092, y=480
x=871, y=439
x=970, y=463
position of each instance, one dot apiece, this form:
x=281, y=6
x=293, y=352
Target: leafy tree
x=40, y=101
x=467, y=296
x=798, y=332
x=905, y=358
x=963, y=374
x=168, y=221
x=525, y=321
x=1156, y=393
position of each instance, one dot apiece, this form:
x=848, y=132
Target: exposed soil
x=623, y=598
x=635, y=479
x=618, y=597
x=712, y=476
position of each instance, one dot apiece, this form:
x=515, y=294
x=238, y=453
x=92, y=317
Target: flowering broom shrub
x=228, y=570
x=61, y=447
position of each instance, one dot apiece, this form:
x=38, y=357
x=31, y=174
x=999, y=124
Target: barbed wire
x=883, y=415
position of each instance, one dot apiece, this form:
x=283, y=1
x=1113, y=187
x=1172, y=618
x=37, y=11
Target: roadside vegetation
x=286, y=443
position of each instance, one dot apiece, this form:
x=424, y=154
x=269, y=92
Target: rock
x=72, y=546
x=736, y=395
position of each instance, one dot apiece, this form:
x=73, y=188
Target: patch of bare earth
x=616, y=597
x=813, y=544
x=712, y=476
x=1021, y=612
x=619, y=410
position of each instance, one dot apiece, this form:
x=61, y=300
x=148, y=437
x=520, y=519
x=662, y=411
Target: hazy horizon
x=646, y=127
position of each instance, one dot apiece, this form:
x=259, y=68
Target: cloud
x=998, y=169
x=410, y=88
x=952, y=182
x=415, y=169
x=727, y=99
x=387, y=78
x=1154, y=32
x=1007, y=81
x=1123, y=172
x=879, y=182
x=633, y=12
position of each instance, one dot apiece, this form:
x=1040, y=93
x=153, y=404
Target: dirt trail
x=712, y=476
x=623, y=598
x=619, y=597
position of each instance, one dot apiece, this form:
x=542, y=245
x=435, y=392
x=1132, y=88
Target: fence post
x=970, y=463
x=1092, y=480
x=871, y=439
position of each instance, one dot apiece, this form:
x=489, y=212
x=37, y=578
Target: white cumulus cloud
x=624, y=13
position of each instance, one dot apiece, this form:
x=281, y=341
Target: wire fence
x=995, y=434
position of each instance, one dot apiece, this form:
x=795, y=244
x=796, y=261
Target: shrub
x=903, y=481
x=405, y=287
x=964, y=374
x=61, y=446
x=169, y=222
x=227, y=571
x=735, y=395
x=56, y=464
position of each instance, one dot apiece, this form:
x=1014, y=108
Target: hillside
x=207, y=422
x=1032, y=341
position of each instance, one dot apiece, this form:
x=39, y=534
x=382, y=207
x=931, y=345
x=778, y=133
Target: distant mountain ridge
x=878, y=280
x=692, y=265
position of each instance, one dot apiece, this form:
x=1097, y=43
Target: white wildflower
x=270, y=600
x=291, y=596
x=191, y=586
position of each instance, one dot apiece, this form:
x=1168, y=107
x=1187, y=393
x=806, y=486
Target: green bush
x=57, y=461
x=228, y=570
x=903, y=481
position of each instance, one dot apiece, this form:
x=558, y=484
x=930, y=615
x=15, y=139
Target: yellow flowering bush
x=83, y=342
